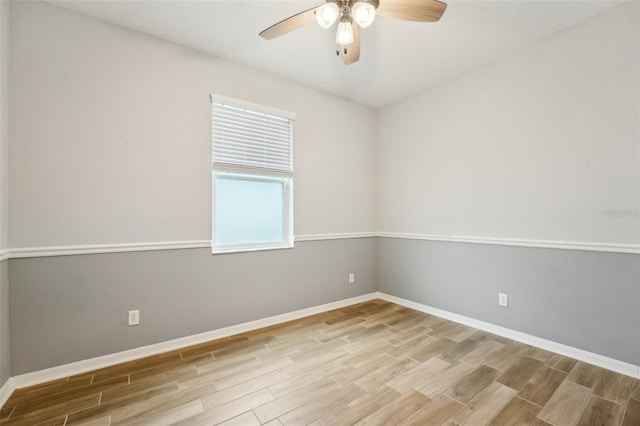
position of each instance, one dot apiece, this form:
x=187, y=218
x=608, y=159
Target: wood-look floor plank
x=53, y=411
x=172, y=415
x=100, y=421
x=5, y=412
x=482, y=352
x=504, y=358
x=219, y=397
x=537, y=353
x=516, y=412
x=635, y=390
x=296, y=399
x=317, y=408
x=405, y=336
x=484, y=406
x=632, y=413
x=229, y=410
x=471, y=384
x=57, y=421
x=252, y=372
x=439, y=382
x=397, y=410
x=208, y=347
x=286, y=386
x=248, y=348
x=411, y=345
x=459, y=350
x=47, y=389
x=614, y=387
x=366, y=333
x=359, y=408
x=133, y=366
x=538, y=422
x=245, y=419
x=520, y=372
x=315, y=362
x=542, y=385
x=585, y=374
x=435, y=413
x=561, y=362
x=365, y=354
x=124, y=392
x=104, y=409
x=418, y=375
x=432, y=349
x=601, y=412
x=566, y=404
x=385, y=372
x=354, y=372
x=61, y=397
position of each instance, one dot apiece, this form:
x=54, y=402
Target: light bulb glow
x=327, y=14
x=344, y=35
x=363, y=14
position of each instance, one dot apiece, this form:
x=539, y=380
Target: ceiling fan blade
x=291, y=23
x=351, y=52
x=412, y=10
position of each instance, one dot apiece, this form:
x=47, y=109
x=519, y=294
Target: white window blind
x=251, y=138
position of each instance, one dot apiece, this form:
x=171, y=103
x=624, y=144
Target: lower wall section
x=5, y=366
x=586, y=300
x=70, y=308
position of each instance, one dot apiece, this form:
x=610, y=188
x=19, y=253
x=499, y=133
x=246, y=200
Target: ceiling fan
x=353, y=15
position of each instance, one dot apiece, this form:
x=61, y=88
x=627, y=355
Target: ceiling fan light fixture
x=344, y=35
x=327, y=14
x=363, y=13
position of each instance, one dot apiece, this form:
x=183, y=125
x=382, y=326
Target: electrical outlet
x=134, y=317
x=503, y=299
x=352, y=278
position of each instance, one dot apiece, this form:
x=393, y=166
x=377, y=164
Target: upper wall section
x=111, y=137
x=542, y=144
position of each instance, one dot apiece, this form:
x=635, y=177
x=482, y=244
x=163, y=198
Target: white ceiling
x=398, y=58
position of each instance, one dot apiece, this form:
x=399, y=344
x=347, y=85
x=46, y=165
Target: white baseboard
x=53, y=373
x=6, y=390
x=579, y=354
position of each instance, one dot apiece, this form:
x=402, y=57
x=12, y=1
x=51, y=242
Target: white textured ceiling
x=398, y=58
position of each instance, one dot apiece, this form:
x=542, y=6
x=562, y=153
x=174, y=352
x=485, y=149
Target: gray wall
x=70, y=308
x=5, y=356
x=587, y=300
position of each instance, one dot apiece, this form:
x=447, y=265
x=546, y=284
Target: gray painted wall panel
x=587, y=300
x=5, y=358
x=70, y=308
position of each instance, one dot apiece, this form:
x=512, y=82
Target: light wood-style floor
x=374, y=363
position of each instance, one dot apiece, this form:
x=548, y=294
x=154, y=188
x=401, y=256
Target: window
x=252, y=169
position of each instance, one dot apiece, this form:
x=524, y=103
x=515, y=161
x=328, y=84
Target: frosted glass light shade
x=344, y=35
x=363, y=14
x=327, y=14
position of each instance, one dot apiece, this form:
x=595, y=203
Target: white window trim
x=266, y=175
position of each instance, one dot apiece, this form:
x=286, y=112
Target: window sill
x=232, y=250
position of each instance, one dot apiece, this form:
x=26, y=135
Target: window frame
x=240, y=172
